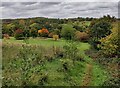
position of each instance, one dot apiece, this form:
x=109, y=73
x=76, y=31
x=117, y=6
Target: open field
x=48, y=73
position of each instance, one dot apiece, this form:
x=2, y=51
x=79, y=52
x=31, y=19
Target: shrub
x=55, y=37
x=54, y=32
x=87, y=31
x=43, y=79
x=66, y=64
x=6, y=36
x=51, y=35
x=70, y=50
x=112, y=82
x=81, y=36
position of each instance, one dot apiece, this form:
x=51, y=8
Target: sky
x=57, y=8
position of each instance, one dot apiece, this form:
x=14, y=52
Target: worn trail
x=88, y=75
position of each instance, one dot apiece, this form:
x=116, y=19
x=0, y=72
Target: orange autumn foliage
x=43, y=30
x=39, y=31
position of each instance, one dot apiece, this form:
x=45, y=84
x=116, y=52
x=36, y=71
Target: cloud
x=7, y=4
x=60, y=0
x=58, y=9
x=28, y=3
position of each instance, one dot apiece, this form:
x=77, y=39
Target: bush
x=70, y=50
x=43, y=79
x=54, y=32
x=81, y=36
x=66, y=64
x=6, y=36
x=51, y=35
x=55, y=37
x=115, y=82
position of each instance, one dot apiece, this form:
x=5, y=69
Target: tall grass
x=26, y=64
x=21, y=62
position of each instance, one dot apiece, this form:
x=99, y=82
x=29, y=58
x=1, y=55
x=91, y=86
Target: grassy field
x=50, y=73
x=85, y=23
x=39, y=41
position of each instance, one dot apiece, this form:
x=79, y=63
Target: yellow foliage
x=109, y=44
x=55, y=37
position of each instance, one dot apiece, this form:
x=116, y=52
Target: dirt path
x=88, y=75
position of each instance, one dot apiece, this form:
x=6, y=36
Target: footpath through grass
x=86, y=73
x=94, y=75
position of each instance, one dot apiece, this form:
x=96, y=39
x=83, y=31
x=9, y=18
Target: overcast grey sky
x=57, y=9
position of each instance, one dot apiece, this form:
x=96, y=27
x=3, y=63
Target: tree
x=34, y=29
x=81, y=36
x=35, y=25
x=19, y=34
x=110, y=44
x=21, y=24
x=79, y=28
x=67, y=32
x=108, y=18
x=33, y=32
x=54, y=32
x=99, y=30
x=9, y=29
x=43, y=32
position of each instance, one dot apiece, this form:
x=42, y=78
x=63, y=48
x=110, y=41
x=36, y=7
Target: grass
x=85, y=23
x=44, y=42
x=56, y=76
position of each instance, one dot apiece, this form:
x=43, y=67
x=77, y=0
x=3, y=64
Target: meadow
x=60, y=52
x=49, y=72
